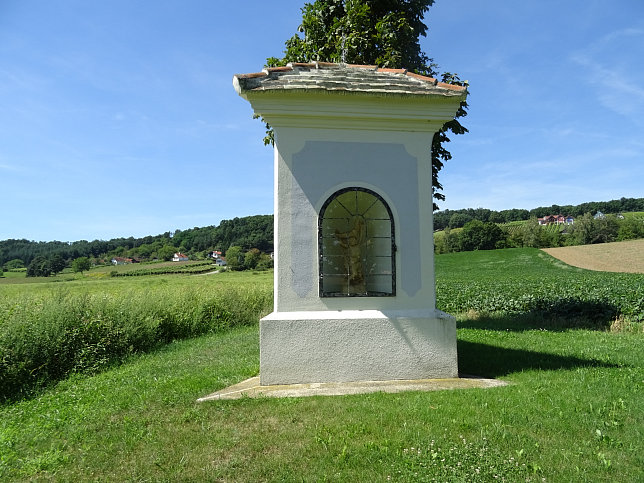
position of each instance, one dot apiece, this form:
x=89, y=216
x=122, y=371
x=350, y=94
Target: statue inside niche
x=354, y=248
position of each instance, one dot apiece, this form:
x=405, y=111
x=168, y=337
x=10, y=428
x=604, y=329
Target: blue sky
x=119, y=118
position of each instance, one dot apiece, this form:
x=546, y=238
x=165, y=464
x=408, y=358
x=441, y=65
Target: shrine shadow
x=483, y=360
x=558, y=316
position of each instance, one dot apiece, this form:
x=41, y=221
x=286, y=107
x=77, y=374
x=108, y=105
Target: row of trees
x=458, y=218
x=46, y=266
x=247, y=232
x=479, y=235
x=257, y=232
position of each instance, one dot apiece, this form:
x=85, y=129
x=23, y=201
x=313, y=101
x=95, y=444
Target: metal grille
x=356, y=245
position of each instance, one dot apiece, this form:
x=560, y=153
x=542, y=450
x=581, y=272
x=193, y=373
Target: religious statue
x=353, y=245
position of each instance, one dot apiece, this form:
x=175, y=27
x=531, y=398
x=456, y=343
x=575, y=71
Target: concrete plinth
x=357, y=345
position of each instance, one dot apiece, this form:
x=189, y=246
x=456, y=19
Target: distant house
x=556, y=220
x=599, y=215
x=180, y=257
x=121, y=261
x=221, y=262
x=215, y=254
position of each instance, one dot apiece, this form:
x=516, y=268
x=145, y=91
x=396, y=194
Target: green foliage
x=81, y=264
x=56, y=263
x=46, y=336
x=235, y=258
x=380, y=32
x=458, y=220
x=374, y=32
x=39, y=267
x=251, y=231
x=588, y=230
x=265, y=262
x=251, y=258
x=166, y=252
x=14, y=264
x=477, y=235
x=585, y=230
x=631, y=228
x=247, y=232
x=623, y=205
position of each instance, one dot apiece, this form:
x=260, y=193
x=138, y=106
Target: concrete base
x=357, y=345
x=252, y=389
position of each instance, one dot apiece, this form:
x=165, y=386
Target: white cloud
x=611, y=67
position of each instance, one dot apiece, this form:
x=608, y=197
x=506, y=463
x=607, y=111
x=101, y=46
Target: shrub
x=235, y=258
x=47, y=337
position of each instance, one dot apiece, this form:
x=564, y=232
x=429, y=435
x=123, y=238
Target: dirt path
x=626, y=256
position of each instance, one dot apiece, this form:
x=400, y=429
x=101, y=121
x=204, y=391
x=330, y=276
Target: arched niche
x=356, y=242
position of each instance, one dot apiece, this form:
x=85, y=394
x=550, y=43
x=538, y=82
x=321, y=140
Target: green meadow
x=569, y=342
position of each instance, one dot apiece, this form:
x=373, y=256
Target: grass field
x=625, y=256
x=103, y=271
x=573, y=410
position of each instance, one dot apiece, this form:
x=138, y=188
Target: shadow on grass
x=555, y=316
x=486, y=360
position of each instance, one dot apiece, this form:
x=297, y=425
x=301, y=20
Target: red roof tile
x=393, y=71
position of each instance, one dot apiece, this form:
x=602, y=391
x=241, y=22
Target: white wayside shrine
x=354, y=279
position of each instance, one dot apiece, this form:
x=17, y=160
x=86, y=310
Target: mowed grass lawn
x=573, y=411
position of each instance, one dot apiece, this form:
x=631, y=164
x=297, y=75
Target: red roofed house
x=180, y=257
x=556, y=220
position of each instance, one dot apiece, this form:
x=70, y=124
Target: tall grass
x=47, y=335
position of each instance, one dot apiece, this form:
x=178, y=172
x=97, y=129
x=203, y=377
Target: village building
x=556, y=220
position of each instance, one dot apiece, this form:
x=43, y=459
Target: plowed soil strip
x=626, y=256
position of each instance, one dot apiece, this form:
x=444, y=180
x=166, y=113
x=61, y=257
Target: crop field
x=515, y=226
x=573, y=410
x=529, y=281
x=128, y=270
x=626, y=256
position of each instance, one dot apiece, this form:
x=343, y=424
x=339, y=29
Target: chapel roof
x=346, y=78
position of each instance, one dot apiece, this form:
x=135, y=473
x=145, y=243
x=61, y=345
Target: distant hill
x=458, y=218
x=247, y=232
x=257, y=232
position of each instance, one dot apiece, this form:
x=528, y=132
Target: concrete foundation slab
x=252, y=389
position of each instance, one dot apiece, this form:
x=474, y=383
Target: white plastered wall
x=325, y=144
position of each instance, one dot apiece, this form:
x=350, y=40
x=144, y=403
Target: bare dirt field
x=626, y=256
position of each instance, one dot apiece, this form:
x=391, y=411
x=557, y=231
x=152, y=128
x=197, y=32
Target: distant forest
x=458, y=218
x=247, y=232
x=257, y=232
